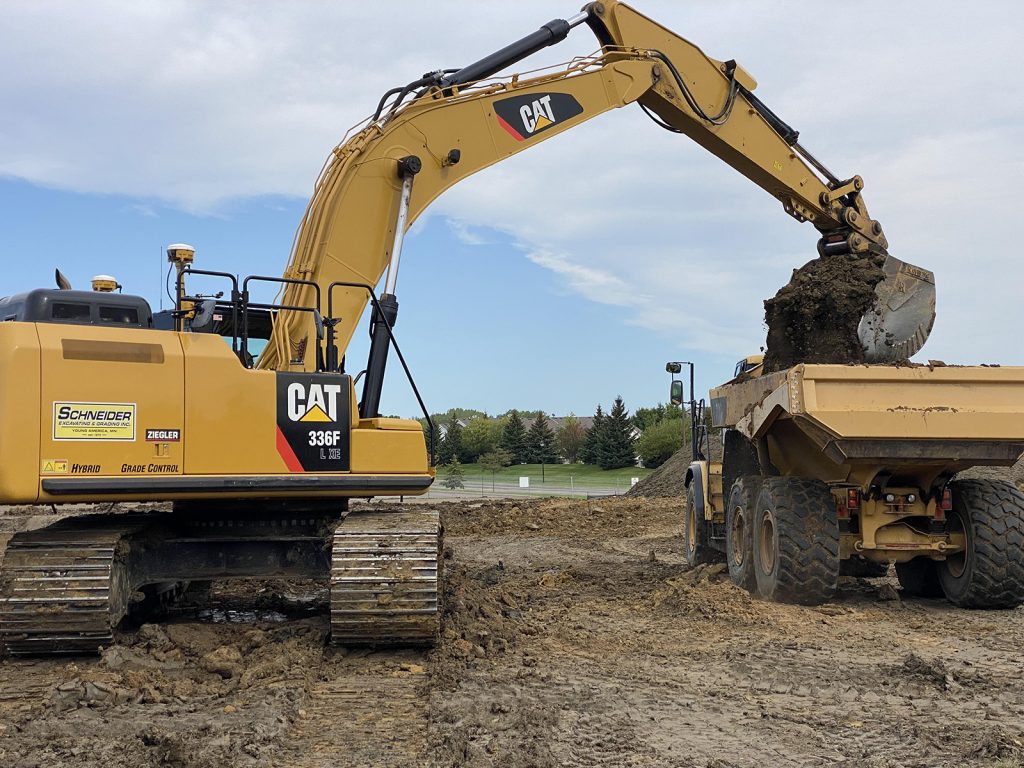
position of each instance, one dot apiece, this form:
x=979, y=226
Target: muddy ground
x=573, y=636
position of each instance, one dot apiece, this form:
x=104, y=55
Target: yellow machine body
x=93, y=414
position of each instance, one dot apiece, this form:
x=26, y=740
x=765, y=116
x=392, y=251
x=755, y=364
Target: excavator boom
x=456, y=122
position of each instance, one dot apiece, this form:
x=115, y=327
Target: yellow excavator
x=242, y=413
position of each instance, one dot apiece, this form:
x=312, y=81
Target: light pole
x=676, y=398
x=542, y=456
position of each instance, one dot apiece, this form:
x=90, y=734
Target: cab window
x=119, y=315
x=68, y=311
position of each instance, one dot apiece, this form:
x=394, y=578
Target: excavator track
x=62, y=589
x=385, y=569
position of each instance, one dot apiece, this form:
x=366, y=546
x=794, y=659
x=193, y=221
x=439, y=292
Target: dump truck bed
x=841, y=422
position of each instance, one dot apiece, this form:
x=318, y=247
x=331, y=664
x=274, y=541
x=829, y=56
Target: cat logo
x=314, y=419
x=537, y=115
x=528, y=115
x=313, y=402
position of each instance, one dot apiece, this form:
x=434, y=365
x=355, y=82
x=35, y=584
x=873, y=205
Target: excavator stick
x=898, y=323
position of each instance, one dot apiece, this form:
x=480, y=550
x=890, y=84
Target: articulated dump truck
x=830, y=468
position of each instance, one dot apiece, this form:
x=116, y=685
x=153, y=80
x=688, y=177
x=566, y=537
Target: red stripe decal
x=510, y=129
x=290, y=459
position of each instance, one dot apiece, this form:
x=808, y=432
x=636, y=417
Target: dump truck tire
x=796, y=541
x=697, y=535
x=990, y=574
x=919, y=577
x=739, y=532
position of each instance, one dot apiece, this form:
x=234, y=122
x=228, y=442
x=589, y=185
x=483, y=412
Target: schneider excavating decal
x=528, y=115
x=313, y=421
x=94, y=421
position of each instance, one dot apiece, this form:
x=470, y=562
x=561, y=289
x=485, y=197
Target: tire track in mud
x=367, y=710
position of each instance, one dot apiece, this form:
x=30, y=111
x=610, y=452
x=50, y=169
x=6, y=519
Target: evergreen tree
x=540, y=442
x=570, y=438
x=513, y=438
x=592, y=449
x=453, y=440
x=444, y=451
x=618, y=439
x=453, y=475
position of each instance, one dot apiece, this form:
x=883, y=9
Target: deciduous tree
x=494, y=460
x=657, y=444
x=480, y=436
x=570, y=437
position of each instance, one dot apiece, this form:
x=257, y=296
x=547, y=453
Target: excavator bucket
x=898, y=324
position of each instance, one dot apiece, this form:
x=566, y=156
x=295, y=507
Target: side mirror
x=676, y=393
x=202, y=321
x=673, y=367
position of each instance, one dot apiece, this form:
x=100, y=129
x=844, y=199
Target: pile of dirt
x=814, y=317
x=669, y=479
x=706, y=592
x=480, y=621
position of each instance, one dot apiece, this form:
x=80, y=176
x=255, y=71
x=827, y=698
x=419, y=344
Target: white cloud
x=595, y=284
x=466, y=233
x=193, y=104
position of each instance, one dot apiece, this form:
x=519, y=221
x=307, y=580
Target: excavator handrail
x=332, y=350
x=180, y=289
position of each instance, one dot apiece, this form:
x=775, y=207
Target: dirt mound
x=706, y=592
x=669, y=478
x=814, y=317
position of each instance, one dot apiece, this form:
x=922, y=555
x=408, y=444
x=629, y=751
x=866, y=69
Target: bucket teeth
x=384, y=579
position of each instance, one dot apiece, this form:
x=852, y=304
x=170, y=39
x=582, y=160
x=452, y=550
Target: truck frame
x=848, y=468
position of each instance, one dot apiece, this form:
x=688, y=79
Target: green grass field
x=569, y=475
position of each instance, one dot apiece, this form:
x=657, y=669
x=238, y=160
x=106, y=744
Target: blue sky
x=480, y=324
x=567, y=274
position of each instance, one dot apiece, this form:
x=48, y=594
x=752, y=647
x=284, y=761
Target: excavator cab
x=748, y=364
x=52, y=305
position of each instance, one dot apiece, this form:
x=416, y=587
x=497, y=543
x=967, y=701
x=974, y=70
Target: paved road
x=476, y=489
